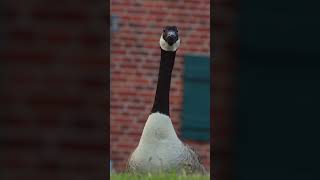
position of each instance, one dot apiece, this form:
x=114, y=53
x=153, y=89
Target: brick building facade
x=53, y=90
x=135, y=56
x=54, y=94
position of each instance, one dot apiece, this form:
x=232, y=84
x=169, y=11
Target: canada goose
x=160, y=149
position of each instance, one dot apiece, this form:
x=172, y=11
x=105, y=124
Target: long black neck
x=161, y=101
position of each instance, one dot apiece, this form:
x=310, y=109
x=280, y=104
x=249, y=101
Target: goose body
x=159, y=148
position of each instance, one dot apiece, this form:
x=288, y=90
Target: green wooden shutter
x=196, y=105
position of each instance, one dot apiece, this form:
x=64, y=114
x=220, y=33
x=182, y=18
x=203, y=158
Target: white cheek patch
x=165, y=46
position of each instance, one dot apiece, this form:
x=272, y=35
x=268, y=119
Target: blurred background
x=136, y=27
x=54, y=89
x=277, y=115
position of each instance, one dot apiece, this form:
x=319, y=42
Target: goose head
x=170, y=40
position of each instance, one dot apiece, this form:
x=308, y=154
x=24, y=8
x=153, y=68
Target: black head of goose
x=159, y=148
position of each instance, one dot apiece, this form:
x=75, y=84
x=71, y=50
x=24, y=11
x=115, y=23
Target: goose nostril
x=171, y=38
x=171, y=34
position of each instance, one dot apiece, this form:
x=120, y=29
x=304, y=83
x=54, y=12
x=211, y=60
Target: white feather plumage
x=165, y=46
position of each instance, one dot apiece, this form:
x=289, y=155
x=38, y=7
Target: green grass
x=157, y=177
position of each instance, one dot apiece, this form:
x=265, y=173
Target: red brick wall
x=53, y=90
x=135, y=56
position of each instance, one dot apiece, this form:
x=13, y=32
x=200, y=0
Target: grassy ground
x=157, y=177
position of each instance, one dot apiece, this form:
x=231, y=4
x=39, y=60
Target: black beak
x=171, y=37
